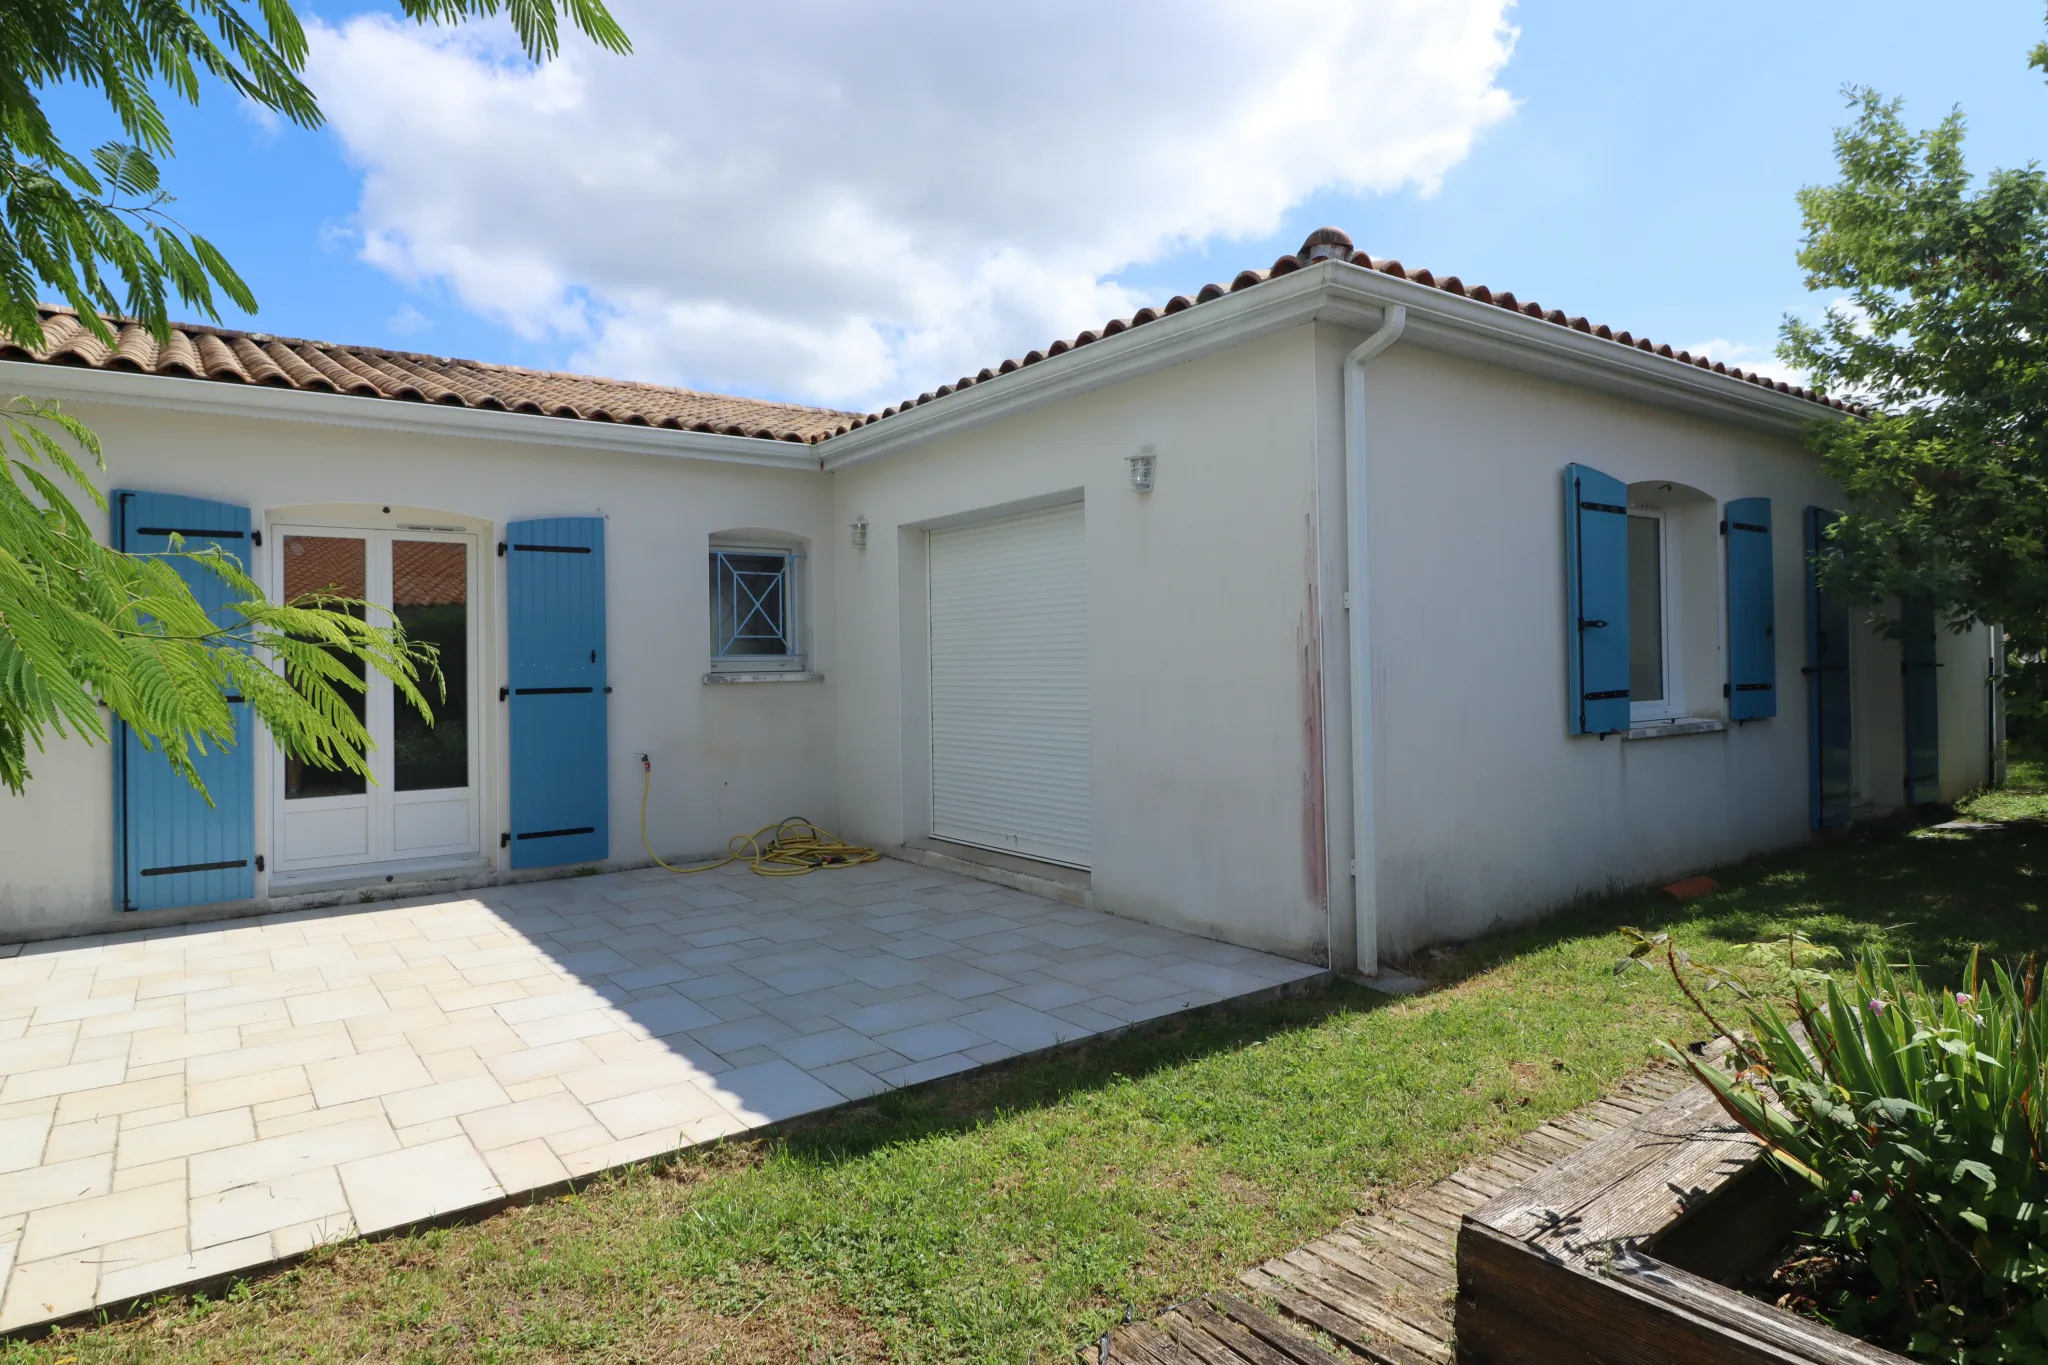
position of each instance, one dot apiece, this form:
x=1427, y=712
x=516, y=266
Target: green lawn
x=1009, y=1216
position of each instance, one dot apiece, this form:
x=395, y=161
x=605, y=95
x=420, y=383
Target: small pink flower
x=1877, y=1007
x=1963, y=999
x=1855, y=1196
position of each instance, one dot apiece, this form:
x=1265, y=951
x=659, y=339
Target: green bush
x=1917, y=1115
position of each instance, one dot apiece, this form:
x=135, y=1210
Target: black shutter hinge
x=255, y=537
x=607, y=691
x=1724, y=526
x=1584, y=624
x=505, y=839
x=259, y=862
x=504, y=692
x=501, y=549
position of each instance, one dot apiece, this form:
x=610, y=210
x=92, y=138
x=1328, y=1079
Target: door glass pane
x=336, y=565
x=430, y=594
x=1645, y=609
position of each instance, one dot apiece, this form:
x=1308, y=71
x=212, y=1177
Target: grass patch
x=1010, y=1215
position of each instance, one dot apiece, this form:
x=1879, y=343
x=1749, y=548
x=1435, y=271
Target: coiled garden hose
x=795, y=846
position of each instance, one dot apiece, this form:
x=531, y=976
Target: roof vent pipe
x=1326, y=244
x=1358, y=626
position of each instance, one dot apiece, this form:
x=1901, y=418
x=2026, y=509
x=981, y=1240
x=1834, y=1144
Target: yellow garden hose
x=796, y=846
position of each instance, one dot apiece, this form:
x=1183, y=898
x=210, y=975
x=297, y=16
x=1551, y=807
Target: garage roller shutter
x=1009, y=686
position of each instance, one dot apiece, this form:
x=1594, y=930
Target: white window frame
x=795, y=661
x=1672, y=705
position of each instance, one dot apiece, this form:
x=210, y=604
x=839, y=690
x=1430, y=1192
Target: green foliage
x=1918, y=1117
x=97, y=228
x=1940, y=289
x=82, y=626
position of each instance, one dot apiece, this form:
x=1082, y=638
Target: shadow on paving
x=959, y=1104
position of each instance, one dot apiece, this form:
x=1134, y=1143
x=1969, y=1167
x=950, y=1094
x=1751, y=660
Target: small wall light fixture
x=1143, y=465
x=860, y=533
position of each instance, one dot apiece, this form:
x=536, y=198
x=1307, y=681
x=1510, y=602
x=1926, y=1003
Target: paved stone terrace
x=185, y=1102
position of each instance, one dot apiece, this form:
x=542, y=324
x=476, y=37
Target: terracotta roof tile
x=225, y=355
x=1335, y=243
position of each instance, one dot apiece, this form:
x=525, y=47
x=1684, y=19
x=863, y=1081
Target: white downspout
x=1358, y=625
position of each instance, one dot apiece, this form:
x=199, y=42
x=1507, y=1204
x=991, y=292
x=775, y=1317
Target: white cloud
x=407, y=321
x=1749, y=356
x=847, y=203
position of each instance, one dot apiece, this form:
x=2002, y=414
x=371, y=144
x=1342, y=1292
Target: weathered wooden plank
x=1379, y=1304
x=1548, y=1147
x=1127, y=1346
x=1471, y=1188
x=1426, y=1307
x=1517, y=1307
x=1434, y=1275
x=1513, y=1164
x=1237, y=1339
x=1191, y=1337
x=1438, y=1254
x=1382, y=1305
x=1151, y=1345
x=1311, y=1309
x=1352, y=1303
x=1426, y=1208
x=1255, y=1336
x=1575, y=1181
x=1751, y=1318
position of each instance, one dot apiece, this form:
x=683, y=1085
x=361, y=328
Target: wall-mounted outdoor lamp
x=860, y=533
x=1143, y=465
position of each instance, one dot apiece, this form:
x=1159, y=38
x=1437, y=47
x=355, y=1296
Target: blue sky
x=1645, y=178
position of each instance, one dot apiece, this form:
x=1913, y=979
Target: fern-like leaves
x=83, y=627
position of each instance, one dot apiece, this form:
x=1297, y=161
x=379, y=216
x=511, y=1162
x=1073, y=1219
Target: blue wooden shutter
x=171, y=847
x=554, y=592
x=1830, y=789
x=1918, y=681
x=1752, y=611
x=1596, y=590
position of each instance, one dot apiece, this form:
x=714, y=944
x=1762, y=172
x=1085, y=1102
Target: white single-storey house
x=1331, y=612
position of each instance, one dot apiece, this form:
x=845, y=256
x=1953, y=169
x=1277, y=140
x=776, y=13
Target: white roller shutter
x=1009, y=642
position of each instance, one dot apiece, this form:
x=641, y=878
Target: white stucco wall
x=1207, y=789
x=1218, y=675
x=727, y=758
x=1489, y=812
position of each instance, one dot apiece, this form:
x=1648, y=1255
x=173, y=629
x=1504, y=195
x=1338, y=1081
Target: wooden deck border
x=1569, y=1266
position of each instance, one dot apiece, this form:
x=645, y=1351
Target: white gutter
x=1358, y=623
x=77, y=384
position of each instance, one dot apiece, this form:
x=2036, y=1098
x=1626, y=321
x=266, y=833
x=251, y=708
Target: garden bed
x=1627, y=1251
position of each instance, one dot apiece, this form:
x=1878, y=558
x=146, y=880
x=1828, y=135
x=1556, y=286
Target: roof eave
x=1351, y=296
x=82, y=384
x=1466, y=327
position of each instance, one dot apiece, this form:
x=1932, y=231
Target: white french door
x=422, y=805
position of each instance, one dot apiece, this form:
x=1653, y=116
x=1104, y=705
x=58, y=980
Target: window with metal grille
x=754, y=609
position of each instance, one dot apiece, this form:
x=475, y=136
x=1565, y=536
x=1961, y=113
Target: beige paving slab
x=270, y=1158
x=417, y=1183
x=158, y=1142
x=186, y=1103
x=57, y=1182
x=265, y=1206
x=83, y=1224
x=445, y=1100
x=366, y=1075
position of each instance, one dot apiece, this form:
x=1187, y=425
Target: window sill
x=1665, y=729
x=783, y=677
